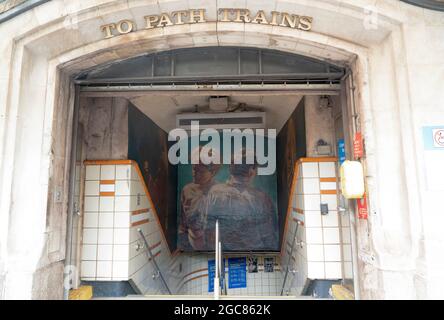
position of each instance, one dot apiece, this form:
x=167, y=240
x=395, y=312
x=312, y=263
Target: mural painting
x=244, y=203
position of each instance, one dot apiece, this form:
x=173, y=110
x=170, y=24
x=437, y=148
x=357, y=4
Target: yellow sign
x=273, y=18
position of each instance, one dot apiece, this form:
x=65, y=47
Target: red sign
x=358, y=146
x=362, y=208
x=438, y=138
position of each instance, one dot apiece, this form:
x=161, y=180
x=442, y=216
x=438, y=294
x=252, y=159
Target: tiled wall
x=115, y=207
x=195, y=277
x=322, y=249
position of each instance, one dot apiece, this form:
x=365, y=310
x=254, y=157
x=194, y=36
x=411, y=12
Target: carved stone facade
x=394, y=50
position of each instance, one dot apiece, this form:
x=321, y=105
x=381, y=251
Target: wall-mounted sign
x=191, y=16
x=341, y=151
x=237, y=273
x=269, y=264
x=438, y=138
x=362, y=208
x=253, y=265
x=211, y=274
x=352, y=180
x=358, y=146
x=433, y=140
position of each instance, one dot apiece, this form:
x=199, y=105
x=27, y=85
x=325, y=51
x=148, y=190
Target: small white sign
x=438, y=138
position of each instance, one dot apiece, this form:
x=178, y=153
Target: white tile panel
x=90, y=220
x=327, y=169
x=89, y=252
x=105, y=236
x=107, y=188
x=312, y=202
x=123, y=188
x=123, y=172
x=310, y=186
x=313, y=235
x=122, y=220
x=88, y=269
x=120, y=269
x=332, y=252
x=310, y=170
x=313, y=219
x=316, y=270
x=89, y=236
x=330, y=219
x=92, y=172
x=104, y=252
x=91, y=188
x=120, y=252
x=333, y=270
x=328, y=186
x=122, y=203
x=106, y=204
x=122, y=236
x=104, y=269
x=331, y=200
x=331, y=235
x=139, y=217
x=106, y=220
x=91, y=204
x=315, y=252
x=108, y=172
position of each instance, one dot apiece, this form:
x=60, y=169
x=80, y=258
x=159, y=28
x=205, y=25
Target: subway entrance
x=146, y=220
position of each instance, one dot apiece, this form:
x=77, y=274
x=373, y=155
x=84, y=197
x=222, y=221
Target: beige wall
x=105, y=123
x=319, y=126
x=398, y=70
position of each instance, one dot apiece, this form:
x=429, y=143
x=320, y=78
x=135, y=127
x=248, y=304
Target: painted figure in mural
x=193, y=201
x=247, y=215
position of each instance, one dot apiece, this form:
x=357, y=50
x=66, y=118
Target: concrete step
x=207, y=297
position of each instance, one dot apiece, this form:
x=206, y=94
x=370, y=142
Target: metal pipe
x=19, y=9
x=289, y=259
x=216, y=264
x=353, y=233
x=301, y=77
x=151, y=256
x=348, y=112
x=67, y=274
x=209, y=89
x=222, y=268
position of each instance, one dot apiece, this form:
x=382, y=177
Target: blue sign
x=341, y=151
x=433, y=138
x=237, y=273
x=211, y=271
x=211, y=274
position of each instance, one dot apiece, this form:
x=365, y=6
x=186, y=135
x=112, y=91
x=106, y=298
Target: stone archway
x=54, y=43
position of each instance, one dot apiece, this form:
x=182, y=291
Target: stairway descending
x=210, y=297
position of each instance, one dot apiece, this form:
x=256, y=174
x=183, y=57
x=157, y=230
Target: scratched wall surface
x=148, y=146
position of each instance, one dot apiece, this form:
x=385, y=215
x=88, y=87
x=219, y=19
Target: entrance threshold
x=210, y=297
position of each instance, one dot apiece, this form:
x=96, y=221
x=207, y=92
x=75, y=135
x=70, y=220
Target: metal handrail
x=216, y=263
x=289, y=258
x=152, y=258
x=219, y=274
x=222, y=268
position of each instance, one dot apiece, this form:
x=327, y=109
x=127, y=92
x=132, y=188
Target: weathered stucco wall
x=105, y=123
x=320, y=126
x=396, y=54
